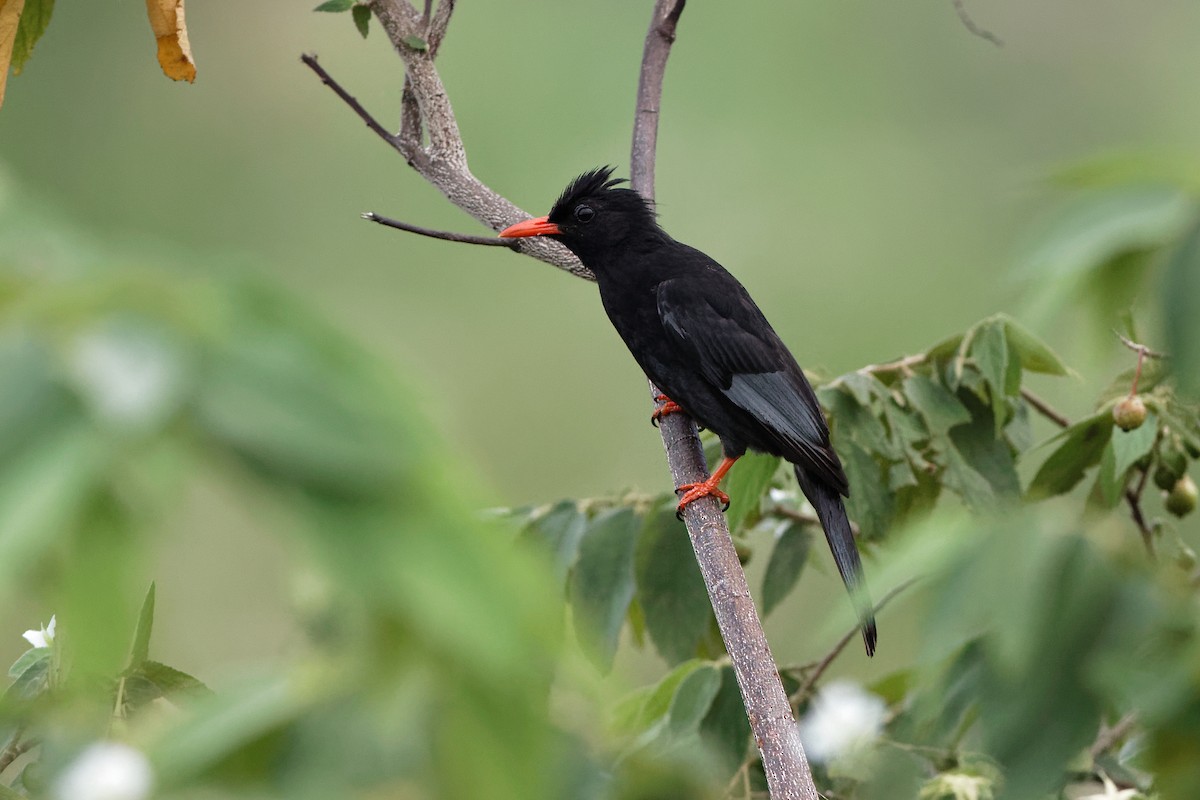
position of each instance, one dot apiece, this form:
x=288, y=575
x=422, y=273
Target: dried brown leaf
x=174, y=52
x=10, y=18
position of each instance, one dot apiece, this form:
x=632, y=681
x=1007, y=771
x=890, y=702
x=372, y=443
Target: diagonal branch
x=442, y=162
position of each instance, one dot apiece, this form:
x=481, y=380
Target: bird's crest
x=589, y=183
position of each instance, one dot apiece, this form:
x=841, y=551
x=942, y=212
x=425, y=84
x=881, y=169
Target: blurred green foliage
x=434, y=661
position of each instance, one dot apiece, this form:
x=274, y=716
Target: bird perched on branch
x=701, y=339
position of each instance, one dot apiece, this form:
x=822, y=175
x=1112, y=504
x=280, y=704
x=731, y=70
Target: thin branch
x=449, y=236
x=817, y=669
x=965, y=18
x=902, y=365
x=438, y=25
x=1134, y=498
x=1140, y=349
x=449, y=174
x=1043, y=408
x=1110, y=736
x=15, y=749
x=310, y=60
x=803, y=517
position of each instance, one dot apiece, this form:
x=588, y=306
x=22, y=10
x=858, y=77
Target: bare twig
x=817, y=669
x=1139, y=348
x=1134, y=498
x=1110, y=736
x=449, y=236
x=1044, y=409
x=16, y=748
x=425, y=110
x=310, y=60
x=969, y=23
x=803, y=517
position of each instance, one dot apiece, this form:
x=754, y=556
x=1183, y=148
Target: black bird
x=697, y=334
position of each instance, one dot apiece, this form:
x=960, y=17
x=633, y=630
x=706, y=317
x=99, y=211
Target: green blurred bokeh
x=867, y=170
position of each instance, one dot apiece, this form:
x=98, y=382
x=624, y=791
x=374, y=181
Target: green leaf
x=1081, y=447
x=692, y=700
x=415, y=42
x=224, y=724
x=1130, y=446
x=1124, y=449
x=558, y=533
x=787, y=561
x=986, y=454
x=859, y=422
x=989, y=348
x=871, y=503
x=1100, y=225
x=362, y=19
x=640, y=709
x=10, y=794
x=171, y=681
x=34, y=675
x=1033, y=353
x=42, y=493
x=725, y=729
x=747, y=482
x=602, y=583
x=286, y=410
x=336, y=5
x=141, y=635
x=962, y=479
x=1181, y=309
x=28, y=659
x=35, y=18
x=939, y=406
x=670, y=588
x=864, y=387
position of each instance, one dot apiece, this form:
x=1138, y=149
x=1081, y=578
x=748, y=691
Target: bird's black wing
x=715, y=326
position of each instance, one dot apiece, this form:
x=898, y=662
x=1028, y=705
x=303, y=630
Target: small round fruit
x=1186, y=559
x=1130, y=413
x=1182, y=499
x=1165, y=477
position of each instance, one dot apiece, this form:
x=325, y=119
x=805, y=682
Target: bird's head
x=591, y=216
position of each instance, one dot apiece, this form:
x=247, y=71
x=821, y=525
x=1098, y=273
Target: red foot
x=708, y=488
x=668, y=406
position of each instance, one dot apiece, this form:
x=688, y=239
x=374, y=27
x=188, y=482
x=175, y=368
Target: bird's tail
x=832, y=513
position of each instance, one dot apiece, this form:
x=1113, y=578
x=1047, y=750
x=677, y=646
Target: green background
x=868, y=170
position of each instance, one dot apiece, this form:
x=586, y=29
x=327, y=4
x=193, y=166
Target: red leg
x=708, y=488
x=668, y=406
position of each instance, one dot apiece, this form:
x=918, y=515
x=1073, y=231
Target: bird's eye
x=584, y=213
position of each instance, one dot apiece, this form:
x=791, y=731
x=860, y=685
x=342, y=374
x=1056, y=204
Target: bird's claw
x=668, y=407
x=694, y=491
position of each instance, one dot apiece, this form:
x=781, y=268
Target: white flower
x=106, y=771
x=43, y=637
x=841, y=718
x=127, y=376
x=1111, y=792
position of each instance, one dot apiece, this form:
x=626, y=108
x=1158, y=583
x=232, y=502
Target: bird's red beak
x=539, y=226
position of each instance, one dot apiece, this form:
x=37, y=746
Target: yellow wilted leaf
x=10, y=18
x=174, y=52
